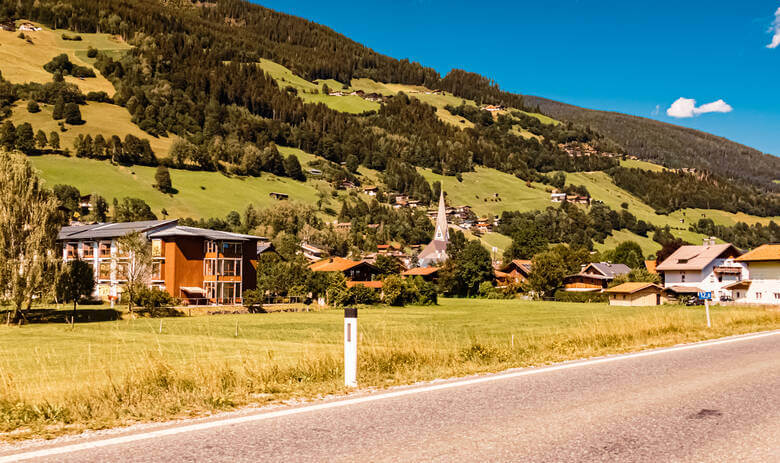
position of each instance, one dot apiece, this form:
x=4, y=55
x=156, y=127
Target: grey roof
x=180, y=230
x=111, y=230
x=152, y=228
x=609, y=270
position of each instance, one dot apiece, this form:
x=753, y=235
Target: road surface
x=709, y=402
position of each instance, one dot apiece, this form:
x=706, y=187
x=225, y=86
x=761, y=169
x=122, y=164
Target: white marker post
x=350, y=347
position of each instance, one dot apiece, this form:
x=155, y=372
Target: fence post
x=350, y=347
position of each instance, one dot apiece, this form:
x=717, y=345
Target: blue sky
x=632, y=57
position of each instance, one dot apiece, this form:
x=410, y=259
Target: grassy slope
x=480, y=185
x=21, y=62
x=284, y=77
x=201, y=194
x=95, y=115
x=199, y=364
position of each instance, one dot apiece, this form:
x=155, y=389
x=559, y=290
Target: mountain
x=233, y=96
x=671, y=145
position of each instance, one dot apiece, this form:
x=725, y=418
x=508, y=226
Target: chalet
x=634, y=294
x=594, y=277
x=492, y=108
x=557, y=197
x=345, y=185
x=315, y=172
x=709, y=267
x=342, y=226
x=312, y=253
x=426, y=273
x=371, y=190
x=357, y=272
x=8, y=26
x=515, y=272
x=484, y=226
x=336, y=93
x=265, y=248
x=763, y=283
x=193, y=264
x=373, y=97
x=279, y=196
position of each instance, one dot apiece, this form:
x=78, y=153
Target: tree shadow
x=46, y=316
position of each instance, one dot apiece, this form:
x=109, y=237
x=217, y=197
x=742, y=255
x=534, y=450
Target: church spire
x=442, y=231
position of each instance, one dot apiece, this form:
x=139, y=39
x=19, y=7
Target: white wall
x=764, y=286
x=706, y=279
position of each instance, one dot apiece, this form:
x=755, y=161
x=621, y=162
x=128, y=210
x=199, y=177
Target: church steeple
x=442, y=231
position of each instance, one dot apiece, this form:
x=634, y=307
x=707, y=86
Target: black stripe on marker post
x=350, y=312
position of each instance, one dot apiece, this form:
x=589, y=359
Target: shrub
x=92, y=52
x=73, y=114
x=572, y=296
x=253, y=300
x=155, y=302
x=75, y=38
x=101, y=97
x=364, y=295
x=32, y=107
x=395, y=291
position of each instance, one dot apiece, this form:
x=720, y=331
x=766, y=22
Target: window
x=230, y=267
x=210, y=267
x=682, y=277
x=71, y=250
x=122, y=270
x=157, y=248
x=157, y=270
x=105, y=249
x=88, y=250
x=777, y=295
x=211, y=246
x=104, y=271
x=758, y=295
x=232, y=249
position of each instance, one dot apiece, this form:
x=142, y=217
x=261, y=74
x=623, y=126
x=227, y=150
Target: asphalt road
x=718, y=402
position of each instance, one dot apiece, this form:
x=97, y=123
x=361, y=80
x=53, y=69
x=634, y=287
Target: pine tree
x=54, y=140
x=25, y=139
x=73, y=114
x=163, y=179
x=40, y=139
x=59, y=109
x=7, y=136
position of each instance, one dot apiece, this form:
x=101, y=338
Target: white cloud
x=686, y=107
x=775, y=30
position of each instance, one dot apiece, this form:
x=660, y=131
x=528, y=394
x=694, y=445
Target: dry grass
x=54, y=380
x=22, y=62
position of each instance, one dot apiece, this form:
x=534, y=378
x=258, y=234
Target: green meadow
x=56, y=378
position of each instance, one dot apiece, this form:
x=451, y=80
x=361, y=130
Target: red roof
x=334, y=264
x=420, y=271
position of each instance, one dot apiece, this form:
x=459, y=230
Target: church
x=436, y=251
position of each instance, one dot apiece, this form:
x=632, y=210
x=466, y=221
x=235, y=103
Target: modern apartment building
x=196, y=265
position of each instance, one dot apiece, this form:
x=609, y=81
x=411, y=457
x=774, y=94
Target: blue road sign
x=705, y=296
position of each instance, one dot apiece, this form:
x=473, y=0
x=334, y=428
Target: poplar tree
x=28, y=230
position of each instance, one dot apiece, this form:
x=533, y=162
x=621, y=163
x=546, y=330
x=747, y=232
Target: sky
x=712, y=66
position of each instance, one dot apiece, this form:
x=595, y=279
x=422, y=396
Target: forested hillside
x=671, y=145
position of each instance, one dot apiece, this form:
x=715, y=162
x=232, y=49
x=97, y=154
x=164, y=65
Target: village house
x=357, y=272
x=492, y=108
x=312, y=253
x=762, y=285
x=595, y=277
x=557, y=197
x=278, y=196
x=706, y=268
x=371, y=190
x=29, y=27
x=635, y=294
x=514, y=272
x=193, y=264
x=426, y=273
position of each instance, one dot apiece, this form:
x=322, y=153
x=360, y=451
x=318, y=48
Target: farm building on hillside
x=709, y=267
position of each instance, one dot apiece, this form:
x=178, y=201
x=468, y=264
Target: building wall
x=183, y=264
x=647, y=297
x=764, y=286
